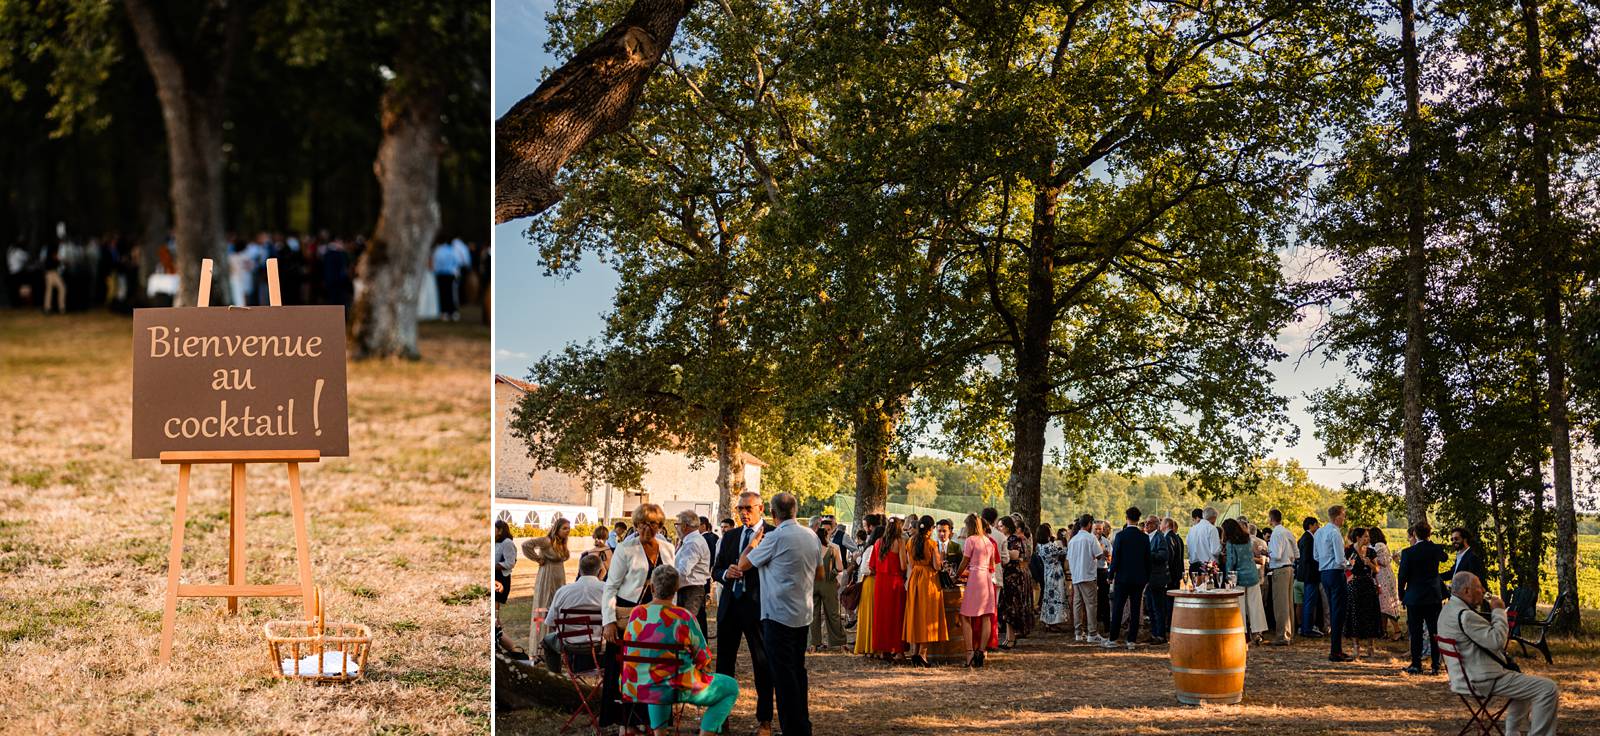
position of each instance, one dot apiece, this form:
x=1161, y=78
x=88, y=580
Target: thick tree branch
x=591, y=95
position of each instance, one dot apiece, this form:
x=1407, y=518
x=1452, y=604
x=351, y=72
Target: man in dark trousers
x=1129, y=573
x=739, y=610
x=1422, y=591
x=1305, y=571
x=1177, y=565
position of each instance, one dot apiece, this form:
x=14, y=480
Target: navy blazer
x=1419, y=573
x=1130, y=557
x=728, y=552
x=1467, y=560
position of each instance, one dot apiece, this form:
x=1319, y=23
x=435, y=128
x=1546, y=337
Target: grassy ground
x=397, y=543
x=1048, y=685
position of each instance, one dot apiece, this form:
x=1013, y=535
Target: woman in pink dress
x=979, y=604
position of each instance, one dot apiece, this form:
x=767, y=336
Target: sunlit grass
x=395, y=528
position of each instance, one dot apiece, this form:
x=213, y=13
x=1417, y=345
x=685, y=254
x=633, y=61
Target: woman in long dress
x=1388, y=585
x=1365, y=621
x=888, y=593
x=1053, y=596
x=925, y=623
x=1016, y=596
x=868, y=585
x=978, y=603
x=550, y=551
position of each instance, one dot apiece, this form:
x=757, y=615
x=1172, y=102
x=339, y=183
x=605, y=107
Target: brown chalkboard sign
x=265, y=378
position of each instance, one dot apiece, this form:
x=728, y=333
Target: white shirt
x=585, y=592
x=787, y=557
x=693, y=560
x=1105, y=548
x=1083, y=554
x=1204, y=542
x=505, y=555
x=629, y=572
x=1282, y=549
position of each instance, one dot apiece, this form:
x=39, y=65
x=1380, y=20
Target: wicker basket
x=338, y=651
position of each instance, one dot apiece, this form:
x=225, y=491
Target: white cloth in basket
x=332, y=664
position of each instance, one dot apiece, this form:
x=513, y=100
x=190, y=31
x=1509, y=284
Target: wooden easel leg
x=236, y=517
x=302, y=540
x=169, y=612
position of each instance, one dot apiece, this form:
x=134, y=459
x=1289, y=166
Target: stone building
x=674, y=480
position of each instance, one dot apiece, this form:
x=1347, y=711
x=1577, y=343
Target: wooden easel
x=236, y=587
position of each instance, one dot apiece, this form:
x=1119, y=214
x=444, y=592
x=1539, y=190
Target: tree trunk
x=1552, y=261
x=389, y=276
x=1412, y=441
x=730, y=459
x=589, y=96
x=1031, y=413
x=191, y=88
x=154, y=205
x=873, y=433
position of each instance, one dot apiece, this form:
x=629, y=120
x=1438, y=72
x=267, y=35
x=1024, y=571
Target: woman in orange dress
x=888, y=593
x=925, y=622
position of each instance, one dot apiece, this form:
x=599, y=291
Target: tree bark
x=592, y=94
x=730, y=459
x=155, y=205
x=873, y=433
x=1552, y=261
x=391, y=270
x=1030, y=412
x=191, y=78
x=1412, y=439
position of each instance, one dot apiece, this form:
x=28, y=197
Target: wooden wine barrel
x=1208, y=646
x=954, y=649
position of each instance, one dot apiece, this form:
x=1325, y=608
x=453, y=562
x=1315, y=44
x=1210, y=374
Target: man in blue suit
x=1130, y=572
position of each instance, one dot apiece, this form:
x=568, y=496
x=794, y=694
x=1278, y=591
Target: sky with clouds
x=536, y=314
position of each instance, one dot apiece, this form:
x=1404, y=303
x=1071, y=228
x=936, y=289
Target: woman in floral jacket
x=661, y=684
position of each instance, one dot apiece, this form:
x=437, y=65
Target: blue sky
x=536, y=314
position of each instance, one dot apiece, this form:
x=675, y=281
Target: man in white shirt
x=1102, y=534
x=1281, y=555
x=1204, y=541
x=1083, y=557
x=693, y=562
x=582, y=595
x=1328, y=547
x=1480, y=669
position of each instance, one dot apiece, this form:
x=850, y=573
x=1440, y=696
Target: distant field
x=398, y=540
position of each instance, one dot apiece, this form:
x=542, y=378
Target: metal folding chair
x=1478, y=706
x=577, y=634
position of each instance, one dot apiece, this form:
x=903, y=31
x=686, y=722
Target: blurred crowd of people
x=104, y=272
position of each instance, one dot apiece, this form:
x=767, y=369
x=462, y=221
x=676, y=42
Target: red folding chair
x=668, y=656
x=577, y=634
x=1487, y=721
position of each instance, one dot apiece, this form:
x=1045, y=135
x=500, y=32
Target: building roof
x=525, y=387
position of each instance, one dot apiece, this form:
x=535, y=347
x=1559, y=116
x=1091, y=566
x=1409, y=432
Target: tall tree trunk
x=1411, y=462
x=589, y=96
x=1031, y=399
x=154, y=222
x=730, y=459
x=873, y=433
x=1552, y=262
x=191, y=77
x=389, y=276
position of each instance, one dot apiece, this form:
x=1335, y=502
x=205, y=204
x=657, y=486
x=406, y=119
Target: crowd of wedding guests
x=73, y=274
x=781, y=591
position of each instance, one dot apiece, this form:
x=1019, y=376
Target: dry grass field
x=1048, y=685
x=398, y=539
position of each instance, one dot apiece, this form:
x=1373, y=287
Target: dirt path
x=1048, y=685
